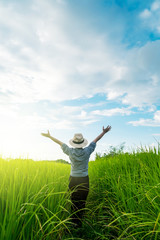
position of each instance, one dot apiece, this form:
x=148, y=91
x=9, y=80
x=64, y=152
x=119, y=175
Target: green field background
x=123, y=202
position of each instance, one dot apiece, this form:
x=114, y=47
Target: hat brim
x=78, y=145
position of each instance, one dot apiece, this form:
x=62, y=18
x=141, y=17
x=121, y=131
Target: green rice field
x=123, y=202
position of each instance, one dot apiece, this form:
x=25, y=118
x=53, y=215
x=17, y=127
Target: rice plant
x=123, y=202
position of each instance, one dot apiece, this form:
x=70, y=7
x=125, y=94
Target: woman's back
x=79, y=158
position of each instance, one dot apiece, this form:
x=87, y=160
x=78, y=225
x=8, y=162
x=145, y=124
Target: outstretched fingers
x=46, y=134
x=107, y=129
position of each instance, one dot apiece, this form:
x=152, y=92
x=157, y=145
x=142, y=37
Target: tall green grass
x=33, y=197
x=126, y=195
x=123, y=203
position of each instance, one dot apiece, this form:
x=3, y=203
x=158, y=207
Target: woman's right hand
x=46, y=134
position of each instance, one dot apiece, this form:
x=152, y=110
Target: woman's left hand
x=107, y=129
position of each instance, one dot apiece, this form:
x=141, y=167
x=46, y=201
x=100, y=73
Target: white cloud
x=152, y=108
x=112, y=94
x=145, y=14
x=155, y=122
x=143, y=77
x=88, y=122
x=151, y=16
x=155, y=5
x=113, y=111
x=70, y=117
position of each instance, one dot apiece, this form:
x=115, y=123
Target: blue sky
x=74, y=66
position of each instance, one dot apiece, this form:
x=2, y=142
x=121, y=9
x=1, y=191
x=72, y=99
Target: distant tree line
x=61, y=161
x=113, y=150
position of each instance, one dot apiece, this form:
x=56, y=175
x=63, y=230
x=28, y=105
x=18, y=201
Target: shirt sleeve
x=91, y=147
x=65, y=149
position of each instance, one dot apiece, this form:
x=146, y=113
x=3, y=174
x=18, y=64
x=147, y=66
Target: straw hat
x=78, y=141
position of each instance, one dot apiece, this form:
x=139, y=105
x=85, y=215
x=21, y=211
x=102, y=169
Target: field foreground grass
x=123, y=203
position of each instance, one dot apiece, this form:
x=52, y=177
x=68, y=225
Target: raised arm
x=105, y=130
x=52, y=138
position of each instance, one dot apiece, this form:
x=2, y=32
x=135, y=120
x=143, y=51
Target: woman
x=79, y=180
